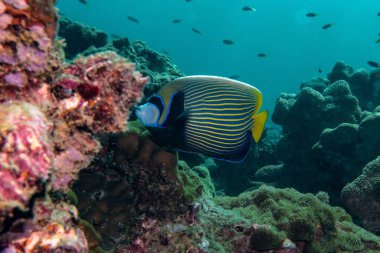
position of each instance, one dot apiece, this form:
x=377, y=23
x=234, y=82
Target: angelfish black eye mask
x=157, y=102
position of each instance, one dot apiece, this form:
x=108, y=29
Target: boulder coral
x=79, y=37
x=362, y=196
x=330, y=132
x=303, y=117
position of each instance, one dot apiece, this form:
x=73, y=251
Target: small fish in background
x=377, y=41
x=373, y=64
x=133, y=19
x=311, y=15
x=165, y=52
x=248, y=8
x=176, y=21
x=196, y=31
x=83, y=2
x=319, y=70
x=327, y=26
x=378, y=14
x=115, y=36
x=261, y=55
x=234, y=77
x=228, y=42
x=211, y=115
x=188, y=0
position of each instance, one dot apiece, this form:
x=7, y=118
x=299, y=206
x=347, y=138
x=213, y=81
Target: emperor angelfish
x=212, y=115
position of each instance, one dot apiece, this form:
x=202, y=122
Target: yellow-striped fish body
x=211, y=115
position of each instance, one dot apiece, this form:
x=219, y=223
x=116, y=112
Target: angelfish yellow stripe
x=199, y=108
x=209, y=92
x=221, y=145
x=217, y=83
x=196, y=125
x=217, y=124
x=226, y=99
x=212, y=146
x=221, y=119
x=207, y=136
x=214, y=133
x=250, y=112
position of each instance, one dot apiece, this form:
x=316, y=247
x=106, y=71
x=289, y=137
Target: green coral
x=196, y=182
x=300, y=217
x=265, y=238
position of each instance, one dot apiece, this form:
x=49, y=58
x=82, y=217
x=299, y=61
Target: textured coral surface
x=25, y=154
x=362, y=196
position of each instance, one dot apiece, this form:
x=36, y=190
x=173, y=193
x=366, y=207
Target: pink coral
x=25, y=154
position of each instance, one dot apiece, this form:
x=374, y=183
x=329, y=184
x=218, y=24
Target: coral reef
x=328, y=136
x=303, y=117
x=361, y=196
x=60, y=119
x=79, y=37
x=264, y=220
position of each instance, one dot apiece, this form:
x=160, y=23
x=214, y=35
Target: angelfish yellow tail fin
x=258, y=125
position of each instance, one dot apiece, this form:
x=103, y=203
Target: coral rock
x=53, y=229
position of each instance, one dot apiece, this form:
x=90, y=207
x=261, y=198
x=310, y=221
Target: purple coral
x=16, y=79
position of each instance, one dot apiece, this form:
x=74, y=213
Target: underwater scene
x=190, y=126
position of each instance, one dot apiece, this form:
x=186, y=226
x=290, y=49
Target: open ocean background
x=296, y=45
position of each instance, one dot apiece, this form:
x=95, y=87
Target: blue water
x=296, y=45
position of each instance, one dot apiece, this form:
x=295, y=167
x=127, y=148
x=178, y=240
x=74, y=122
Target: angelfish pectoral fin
x=258, y=125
